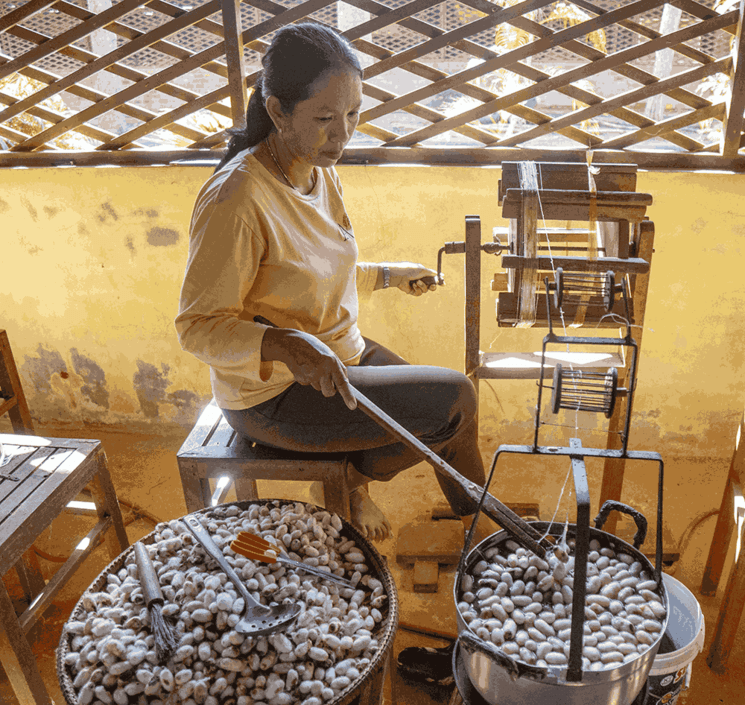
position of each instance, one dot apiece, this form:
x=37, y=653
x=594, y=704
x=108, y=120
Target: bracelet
x=386, y=277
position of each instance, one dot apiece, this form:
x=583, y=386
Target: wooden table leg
x=731, y=609
x=17, y=658
x=30, y=575
x=104, y=497
x=720, y=542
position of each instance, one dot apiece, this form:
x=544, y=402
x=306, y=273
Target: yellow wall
x=92, y=262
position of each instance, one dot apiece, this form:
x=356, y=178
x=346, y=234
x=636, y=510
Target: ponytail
x=297, y=57
x=258, y=126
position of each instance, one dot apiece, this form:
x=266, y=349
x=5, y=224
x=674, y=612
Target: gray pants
x=435, y=404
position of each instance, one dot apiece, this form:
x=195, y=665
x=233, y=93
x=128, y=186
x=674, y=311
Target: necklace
x=281, y=170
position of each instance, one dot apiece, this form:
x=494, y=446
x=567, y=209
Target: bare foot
x=367, y=517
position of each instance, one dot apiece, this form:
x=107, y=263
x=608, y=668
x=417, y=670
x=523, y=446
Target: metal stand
x=577, y=454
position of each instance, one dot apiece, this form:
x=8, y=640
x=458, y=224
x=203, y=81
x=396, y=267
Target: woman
x=269, y=298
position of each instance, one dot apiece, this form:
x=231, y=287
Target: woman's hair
x=298, y=55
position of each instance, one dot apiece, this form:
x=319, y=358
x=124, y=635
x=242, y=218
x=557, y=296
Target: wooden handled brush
x=166, y=637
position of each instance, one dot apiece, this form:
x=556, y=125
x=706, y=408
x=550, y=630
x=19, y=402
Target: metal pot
x=503, y=680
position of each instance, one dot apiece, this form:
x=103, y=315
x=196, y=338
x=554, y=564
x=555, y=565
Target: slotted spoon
x=257, y=619
x=252, y=546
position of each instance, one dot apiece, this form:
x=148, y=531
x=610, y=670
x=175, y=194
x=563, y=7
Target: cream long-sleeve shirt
x=259, y=248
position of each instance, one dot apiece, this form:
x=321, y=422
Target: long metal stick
x=520, y=530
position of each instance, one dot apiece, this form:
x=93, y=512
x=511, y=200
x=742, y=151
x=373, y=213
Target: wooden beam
x=231, y=20
x=561, y=80
x=71, y=35
x=733, y=122
x=506, y=60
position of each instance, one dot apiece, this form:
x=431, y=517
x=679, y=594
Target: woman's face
x=320, y=127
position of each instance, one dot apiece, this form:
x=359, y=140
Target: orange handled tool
x=256, y=548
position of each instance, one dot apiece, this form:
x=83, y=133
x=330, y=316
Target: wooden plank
x=576, y=264
x=103, y=62
x=162, y=121
x=613, y=469
x=429, y=114
x=10, y=386
x=566, y=78
x=496, y=15
x=567, y=176
x=51, y=486
x=508, y=311
x=107, y=505
x=69, y=37
x=45, y=598
x=231, y=19
x=733, y=122
x=208, y=421
x=506, y=60
x=733, y=602
x=629, y=97
x=166, y=75
x=512, y=365
x=432, y=74
x=715, y=111
x=725, y=528
x=49, y=116
x=17, y=657
x=12, y=18
x=521, y=69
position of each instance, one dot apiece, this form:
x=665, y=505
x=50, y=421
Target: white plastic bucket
x=671, y=672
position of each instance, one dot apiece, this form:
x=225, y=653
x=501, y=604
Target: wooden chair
x=12, y=398
x=731, y=523
x=13, y=403
x=39, y=479
x=214, y=450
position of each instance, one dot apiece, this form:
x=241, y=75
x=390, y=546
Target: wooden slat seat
x=213, y=450
x=38, y=480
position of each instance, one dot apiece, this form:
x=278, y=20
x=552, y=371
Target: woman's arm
x=414, y=279
x=309, y=360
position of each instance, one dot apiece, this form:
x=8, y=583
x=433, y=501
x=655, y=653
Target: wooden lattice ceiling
x=468, y=81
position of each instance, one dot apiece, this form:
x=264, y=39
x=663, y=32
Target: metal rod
x=581, y=550
x=521, y=531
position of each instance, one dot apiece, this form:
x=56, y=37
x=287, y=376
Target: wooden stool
x=213, y=449
x=41, y=477
x=731, y=522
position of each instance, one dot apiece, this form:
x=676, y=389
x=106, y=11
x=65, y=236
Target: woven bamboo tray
x=385, y=631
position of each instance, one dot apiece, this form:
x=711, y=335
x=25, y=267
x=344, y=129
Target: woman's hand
x=309, y=360
x=414, y=279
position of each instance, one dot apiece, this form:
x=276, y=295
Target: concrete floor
x=145, y=475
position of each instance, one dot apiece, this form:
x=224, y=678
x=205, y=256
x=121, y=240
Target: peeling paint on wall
x=94, y=379
x=162, y=237
x=150, y=386
x=40, y=369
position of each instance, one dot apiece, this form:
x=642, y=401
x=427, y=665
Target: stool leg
x=246, y=490
x=730, y=610
x=17, y=658
x=336, y=494
x=107, y=504
x=192, y=487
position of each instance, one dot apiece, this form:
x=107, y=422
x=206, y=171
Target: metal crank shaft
x=521, y=531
